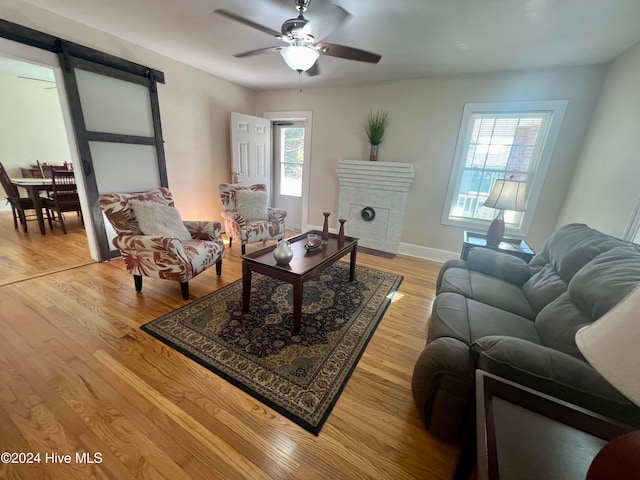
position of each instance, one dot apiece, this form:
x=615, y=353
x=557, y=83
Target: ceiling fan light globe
x=299, y=58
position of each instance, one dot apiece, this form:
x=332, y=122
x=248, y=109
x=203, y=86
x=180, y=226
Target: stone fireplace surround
x=381, y=186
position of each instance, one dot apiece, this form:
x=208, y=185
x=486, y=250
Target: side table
x=512, y=246
x=525, y=434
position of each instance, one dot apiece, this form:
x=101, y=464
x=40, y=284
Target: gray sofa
x=518, y=320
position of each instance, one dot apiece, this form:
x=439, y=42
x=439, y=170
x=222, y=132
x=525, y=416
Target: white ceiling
x=416, y=38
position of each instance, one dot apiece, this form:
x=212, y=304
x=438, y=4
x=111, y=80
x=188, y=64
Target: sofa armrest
x=442, y=386
x=506, y=267
x=554, y=373
x=454, y=263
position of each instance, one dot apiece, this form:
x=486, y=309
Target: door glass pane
x=291, y=161
x=122, y=167
x=110, y=105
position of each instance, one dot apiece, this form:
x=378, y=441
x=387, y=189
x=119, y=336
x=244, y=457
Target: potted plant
x=377, y=123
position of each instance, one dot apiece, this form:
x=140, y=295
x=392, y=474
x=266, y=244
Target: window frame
x=536, y=176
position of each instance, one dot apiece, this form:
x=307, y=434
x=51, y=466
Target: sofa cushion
x=572, y=246
x=600, y=285
x=544, y=287
x=500, y=294
x=465, y=319
x=509, y=268
x=488, y=320
x=487, y=289
x=553, y=373
x=558, y=323
x=606, y=280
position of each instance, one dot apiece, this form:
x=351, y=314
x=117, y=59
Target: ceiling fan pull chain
x=300, y=80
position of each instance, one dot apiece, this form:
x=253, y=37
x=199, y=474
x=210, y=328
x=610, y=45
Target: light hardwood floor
x=24, y=255
x=78, y=375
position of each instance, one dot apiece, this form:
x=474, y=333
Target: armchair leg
x=137, y=280
x=219, y=267
x=184, y=288
x=230, y=241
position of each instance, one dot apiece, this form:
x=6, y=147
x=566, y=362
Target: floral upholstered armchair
x=247, y=218
x=155, y=242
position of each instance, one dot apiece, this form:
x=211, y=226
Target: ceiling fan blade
x=257, y=51
x=36, y=79
x=314, y=70
x=349, y=53
x=246, y=21
x=327, y=22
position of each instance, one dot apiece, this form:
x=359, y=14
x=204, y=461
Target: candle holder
x=341, y=232
x=325, y=227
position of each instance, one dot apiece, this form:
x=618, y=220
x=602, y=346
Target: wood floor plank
x=78, y=374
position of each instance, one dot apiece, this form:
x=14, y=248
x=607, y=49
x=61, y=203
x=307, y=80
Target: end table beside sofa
x=518, y=320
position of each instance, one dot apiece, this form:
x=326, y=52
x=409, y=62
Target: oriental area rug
x=300, y=376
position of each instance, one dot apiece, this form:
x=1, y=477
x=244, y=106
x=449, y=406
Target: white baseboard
x=409, y=249
x=427, y=253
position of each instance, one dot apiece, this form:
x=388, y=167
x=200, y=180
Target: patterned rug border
x=314, y=429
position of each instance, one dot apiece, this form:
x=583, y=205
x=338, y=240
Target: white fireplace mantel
x=382, y=186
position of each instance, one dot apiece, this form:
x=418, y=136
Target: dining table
x=34, y=186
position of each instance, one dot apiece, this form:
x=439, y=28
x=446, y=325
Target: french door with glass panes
x=288, y=170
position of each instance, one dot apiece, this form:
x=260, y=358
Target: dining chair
x=45, y=172
x=19, y=205
x=64, y=197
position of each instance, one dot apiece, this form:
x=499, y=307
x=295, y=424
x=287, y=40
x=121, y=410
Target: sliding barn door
x=116, y=118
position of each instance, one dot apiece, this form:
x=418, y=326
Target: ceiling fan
x=40, y=80
x=304, y=38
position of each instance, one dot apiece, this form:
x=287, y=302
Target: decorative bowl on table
x=313, y=241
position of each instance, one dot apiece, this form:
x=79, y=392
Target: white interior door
x=251, y=150
x=288, y=170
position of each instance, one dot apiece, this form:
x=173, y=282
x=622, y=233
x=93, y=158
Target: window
x=511, y=140
x=291, y=161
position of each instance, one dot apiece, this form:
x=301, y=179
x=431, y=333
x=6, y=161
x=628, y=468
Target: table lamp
x=610, y=345
x=505, y=195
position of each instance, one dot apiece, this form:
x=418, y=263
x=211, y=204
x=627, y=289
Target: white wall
x=426, y=116
x=605, y=186
x=194, y=108
x=31, y=126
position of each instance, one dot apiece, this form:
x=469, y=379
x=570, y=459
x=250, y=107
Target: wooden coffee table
x=303, y=266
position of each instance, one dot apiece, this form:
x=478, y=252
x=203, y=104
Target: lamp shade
x=299, y=58
x=611, y=344
x=507, y=195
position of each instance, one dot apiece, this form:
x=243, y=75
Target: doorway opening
x=33, y=128
x=288, y=168
x=292, y=165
